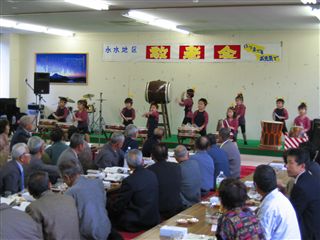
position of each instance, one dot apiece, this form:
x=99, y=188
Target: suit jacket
x=57, y=215
x=314, y=168
x=20, y=136
x=147, y=146
x=90, y=198
x=16, y=224
x=55, y=150
x=129, y=142
x=305, y=198
x=10, y=178
x=136, y=207
x=169, y=178
x=69, y=155
x=234, y=158
x=107, y=157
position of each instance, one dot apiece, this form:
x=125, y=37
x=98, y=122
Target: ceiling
x=200, y=16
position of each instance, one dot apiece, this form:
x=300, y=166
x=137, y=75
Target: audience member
x=232, y=151
x=90, y=198
x=4, y=142
x=130, y=141
x=22, y=134
x=57, y=147
x=12, y=175
x=305, y=195
x=136, y=207
x=277, y=216
x=190, y=177
x=36, y=146
x=55, y=213
x=111, y=154
x=151, y=141
x=205, y=163
x=237, y=221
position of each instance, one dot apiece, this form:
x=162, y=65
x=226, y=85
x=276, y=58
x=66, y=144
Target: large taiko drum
x=158, y=92
x=271, y=135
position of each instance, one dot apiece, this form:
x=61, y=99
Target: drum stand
x=99, y=123
x=165, y=118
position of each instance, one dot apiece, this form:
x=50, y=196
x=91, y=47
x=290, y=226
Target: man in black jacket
x=22, y=134
x=169, y=178
x=155, y=139
x=305, y=195
x=130, y=142
x=136, y=206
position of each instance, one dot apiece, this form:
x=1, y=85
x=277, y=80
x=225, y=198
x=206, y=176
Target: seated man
x=205, y=164
x=220, y=158
x=22, y=134
x=90, y=198
x=12, y=178
x=232, y=151
x=36, y=146
x=57, y=147
x=111, y=154
x=190, y=177
x=130, y=141
x=169, y=178
x=136, y=207
x=56, y=213
x=277, y=216
x=62, y=111
x=150, y=142
x=75, y=148
x=305, y=194
x=16, y=224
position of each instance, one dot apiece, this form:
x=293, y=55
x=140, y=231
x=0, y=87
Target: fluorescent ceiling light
x=309, y=1
x=60, y=32
x=7, y=23
x=94, y=4
x=30, y=27
x=154, y=21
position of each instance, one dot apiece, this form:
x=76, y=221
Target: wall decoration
x=66, y=68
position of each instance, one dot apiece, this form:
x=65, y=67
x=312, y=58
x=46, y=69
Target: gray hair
x=134, y=158
x=180, y=151
x=116, y=137
x=76, y=140
x=69, y=168
x=34, y=144
x=131, y=130
x=18, y=150
x=25, y=120
x=224, y=133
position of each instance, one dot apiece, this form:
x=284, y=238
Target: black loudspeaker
x=315, y=134
x=41, y=83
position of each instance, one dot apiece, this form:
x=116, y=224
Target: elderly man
x=57, y=147
x=169, y=178
x=22, y=134
x=12, y=179
x=232, y=151
x=190, y=177
x=130, y=141
x=90, y=198
x=137, y=204
x=71, y=153
x=37, y=146
x=111, y=154
x=205, y=164
x=55, y=213
x=155, y=139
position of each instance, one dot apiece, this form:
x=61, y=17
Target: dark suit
x=169, y=178
x=314, y=168
x=107, y=157
x=147, y=146
x=136, y=207
x=10, y=178
x=20, y=136
x=305, y=198
x=16, y=224
x=130, y=142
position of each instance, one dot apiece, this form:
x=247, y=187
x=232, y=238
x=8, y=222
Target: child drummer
x=200, y=117
x=240, y=110
x=153, y=118
x=187, y=103
x=302, y=120
x=128, y=114
x=81, y=116
x=62, y=111
x=231, y=122
x=281, y=114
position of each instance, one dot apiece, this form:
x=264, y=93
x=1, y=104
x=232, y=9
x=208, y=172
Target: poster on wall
x=65, y=68
x=246, y=52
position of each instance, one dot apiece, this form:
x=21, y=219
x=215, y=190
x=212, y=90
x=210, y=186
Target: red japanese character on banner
x=227, y=51
x=191, y=52
x=157, y=52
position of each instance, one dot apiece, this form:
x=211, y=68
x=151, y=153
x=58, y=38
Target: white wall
x=296, y=77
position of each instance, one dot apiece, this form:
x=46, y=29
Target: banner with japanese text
x=247, y=52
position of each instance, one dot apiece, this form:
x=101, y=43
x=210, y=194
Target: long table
x=198, y=211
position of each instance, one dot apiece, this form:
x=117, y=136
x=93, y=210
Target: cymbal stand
x=99, y=124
